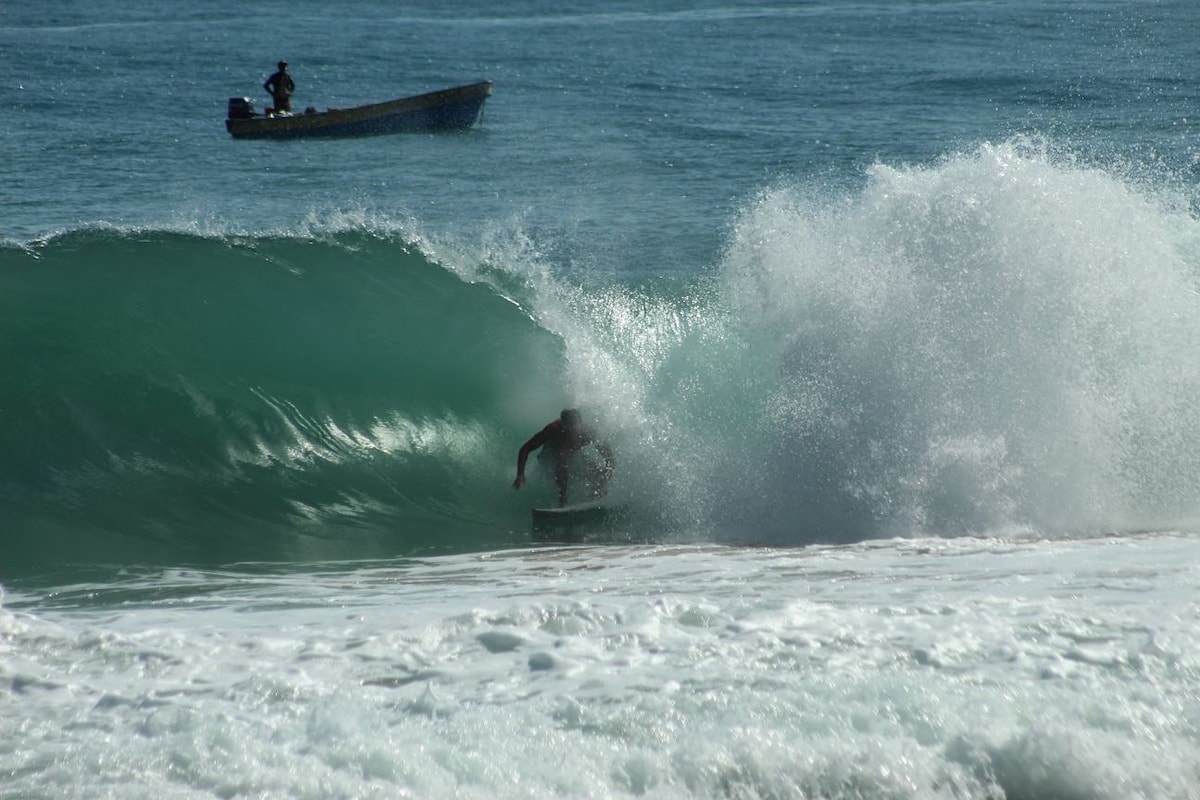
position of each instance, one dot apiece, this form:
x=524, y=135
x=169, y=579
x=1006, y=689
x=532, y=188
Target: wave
x=1001, y=341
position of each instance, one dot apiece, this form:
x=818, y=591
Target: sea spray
x=1000, y=339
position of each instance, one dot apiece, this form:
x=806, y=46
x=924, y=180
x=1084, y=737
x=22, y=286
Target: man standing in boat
x=280, y=85
x=560, y=441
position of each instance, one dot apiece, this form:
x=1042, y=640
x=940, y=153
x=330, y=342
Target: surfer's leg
x=562, y=476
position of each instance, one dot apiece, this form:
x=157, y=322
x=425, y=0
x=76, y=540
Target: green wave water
x=187, y=398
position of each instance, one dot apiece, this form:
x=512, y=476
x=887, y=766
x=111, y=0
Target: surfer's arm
x=538, y=439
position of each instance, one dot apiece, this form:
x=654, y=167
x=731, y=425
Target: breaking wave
x=1003, y=340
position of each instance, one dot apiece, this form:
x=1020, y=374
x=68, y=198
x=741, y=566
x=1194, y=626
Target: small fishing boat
x=447, y=109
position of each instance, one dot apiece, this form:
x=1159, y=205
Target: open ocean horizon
x=890, y=312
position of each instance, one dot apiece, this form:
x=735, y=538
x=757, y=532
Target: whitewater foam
x=925, y=668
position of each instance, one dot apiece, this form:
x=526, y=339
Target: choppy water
x=906, y=292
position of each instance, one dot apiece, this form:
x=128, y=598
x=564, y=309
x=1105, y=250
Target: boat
x=447, y=109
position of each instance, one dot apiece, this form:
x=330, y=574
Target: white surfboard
x=573, y=520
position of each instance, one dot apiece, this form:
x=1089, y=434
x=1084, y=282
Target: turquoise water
x=889, y=311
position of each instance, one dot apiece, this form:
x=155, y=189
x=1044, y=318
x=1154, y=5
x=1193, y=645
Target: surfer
x=561, y=440
x=280, y=85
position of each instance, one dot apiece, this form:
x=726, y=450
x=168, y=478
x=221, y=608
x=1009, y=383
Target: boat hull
x=448, y=109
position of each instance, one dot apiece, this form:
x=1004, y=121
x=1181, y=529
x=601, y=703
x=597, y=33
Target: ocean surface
x=889, y=310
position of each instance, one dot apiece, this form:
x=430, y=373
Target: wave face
x=1005, y=340
x=180, y=397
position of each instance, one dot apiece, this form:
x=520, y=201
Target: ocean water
x=890, y=312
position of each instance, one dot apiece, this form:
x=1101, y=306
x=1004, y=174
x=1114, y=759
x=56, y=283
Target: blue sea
x=890, y=312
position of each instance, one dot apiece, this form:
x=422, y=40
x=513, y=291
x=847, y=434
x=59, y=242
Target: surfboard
x=571, y=522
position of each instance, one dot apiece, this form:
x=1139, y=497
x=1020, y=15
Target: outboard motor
x=240, y=108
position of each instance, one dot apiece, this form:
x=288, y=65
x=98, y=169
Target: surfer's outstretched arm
x=538, y=439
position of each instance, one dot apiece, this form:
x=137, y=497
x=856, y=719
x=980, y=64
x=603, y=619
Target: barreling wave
x=184, y=398
x=1004, y=340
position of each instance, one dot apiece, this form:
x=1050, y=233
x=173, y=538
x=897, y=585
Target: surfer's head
x=282, y=65
x=571, y=419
